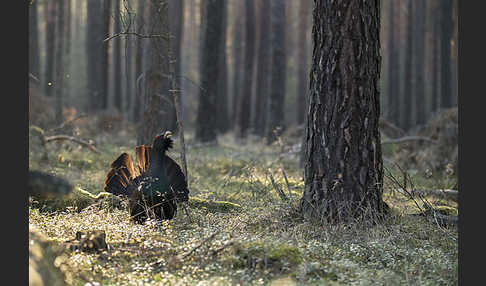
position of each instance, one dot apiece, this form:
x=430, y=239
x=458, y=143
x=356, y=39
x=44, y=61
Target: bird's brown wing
x=143, y=158
x=120, y=176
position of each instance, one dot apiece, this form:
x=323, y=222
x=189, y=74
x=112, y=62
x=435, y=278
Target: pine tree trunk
x=419, y=43
x=263, y=70
x=117, y=78
x=104, y=58
x=51, y=14
x=67, y=49
x=211, y=45
x=222, y=96
x=445, y=52
x=176, y=21
x=34, y=52
x=237, y=58
x=244, y=110
x=138, y=102
x=58, y=84
x=408, y=81
x=344, y=169
x=156, y=81
x=275, y=121
x=393, y=95
x=436, y=56
x=302, y=63
x=94, y=53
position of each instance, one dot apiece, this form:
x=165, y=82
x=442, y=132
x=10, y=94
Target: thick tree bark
x=155, y=118
x=51, y=14
x=275, y=121
x=94, y=54
x=34, y=52
x=211, y=45
x=408, y=80
x=263, y=70
x=344, y=169
x=445, y=52
x=302, y=71
x=58, y=84
x=244, y=110
x=419, y=43
x=117, y=78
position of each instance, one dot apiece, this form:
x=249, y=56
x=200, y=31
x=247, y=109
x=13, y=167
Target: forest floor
x=237, y=230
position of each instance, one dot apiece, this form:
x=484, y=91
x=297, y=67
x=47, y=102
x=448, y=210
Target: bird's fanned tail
x=119, y=180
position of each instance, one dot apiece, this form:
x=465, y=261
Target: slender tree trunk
x=104, y=58
x=176, y=22
x=436, y=55
x=222, y=96
x=445, y=52
x=419, y=43
x=58, y=84
x=117, y=88
x=243, y=115
x=237, y=57
x=34, y=52
x=408, y=81
x=67, y=49
x=302, y=70
x=94, y=54
x=263, y=70
x=50, y=46
x=344, y=169
x=129, y=58
x=275, y=121
x=211, y=45
x=393, y=63
x=156, y=81
x=138, y=102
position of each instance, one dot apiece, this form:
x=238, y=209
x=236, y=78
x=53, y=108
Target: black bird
x=154, y=186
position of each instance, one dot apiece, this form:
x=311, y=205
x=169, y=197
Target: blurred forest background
x=91, y=57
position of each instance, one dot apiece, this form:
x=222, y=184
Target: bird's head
x=163, y=141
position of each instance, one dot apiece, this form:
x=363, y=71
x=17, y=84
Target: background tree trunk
x=222, y=124
x=436, y=87
x=393, y=95
x=51, y=15
x=419, y=43
x=94, y=53
x=138, y=102
x=302, y=70
x=408, y=81
x=104, y=57
x=176, y=24
x=211, y=45
x=155, y=118
x=34, y=52
x=58, y=84
x=117, y=78
x=244, y=110
x=445, y=52
x=237, y=58
x=263, y=70
x=67, y=49
x=278, y=76
x=344, y=169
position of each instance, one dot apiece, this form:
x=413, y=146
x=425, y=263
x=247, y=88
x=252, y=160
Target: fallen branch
x=67, y=122
x=287, y=182
x=409, y=138
x=388, y=124
x=209, y=238
x=73, y=139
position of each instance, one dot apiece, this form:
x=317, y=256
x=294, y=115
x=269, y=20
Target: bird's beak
x=168, y=134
